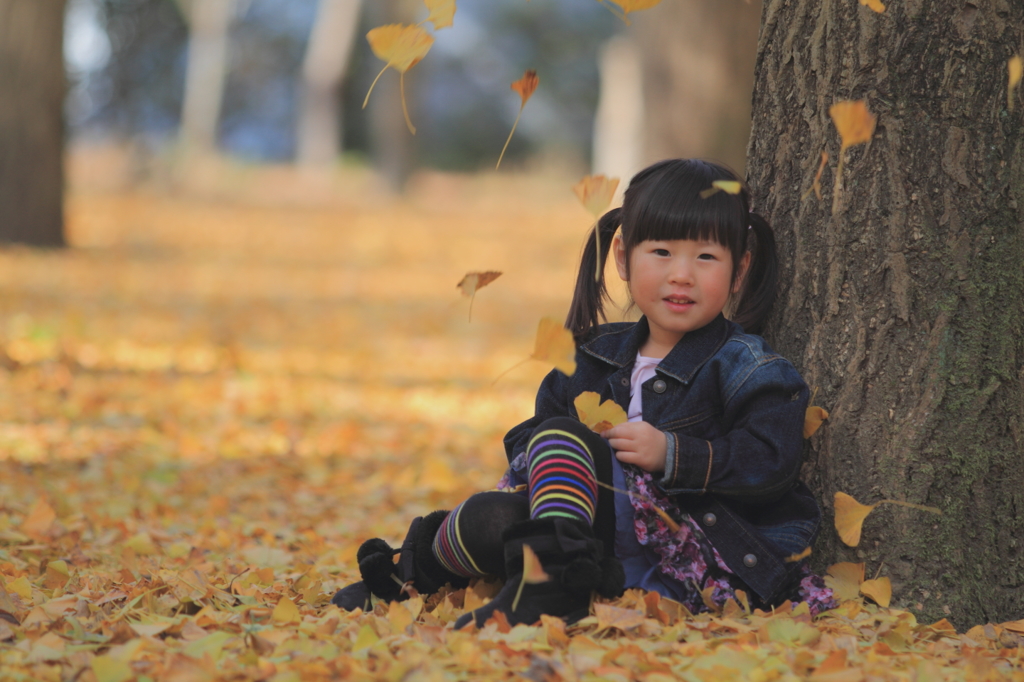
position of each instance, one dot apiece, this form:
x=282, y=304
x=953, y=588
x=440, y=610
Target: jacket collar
x=619, y=347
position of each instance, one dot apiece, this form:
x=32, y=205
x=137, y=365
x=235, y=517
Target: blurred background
x=244, y=261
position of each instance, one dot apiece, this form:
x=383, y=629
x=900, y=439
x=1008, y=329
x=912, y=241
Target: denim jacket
x=733, y=414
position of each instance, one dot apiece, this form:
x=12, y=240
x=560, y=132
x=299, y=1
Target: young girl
x=713, y=437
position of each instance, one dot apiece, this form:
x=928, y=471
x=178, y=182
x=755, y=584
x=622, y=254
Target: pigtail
x=760, y=283
x=587, y=308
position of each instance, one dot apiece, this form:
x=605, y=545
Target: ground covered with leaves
x=210, y=401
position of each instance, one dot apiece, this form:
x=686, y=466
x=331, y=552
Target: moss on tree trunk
x=904, y=294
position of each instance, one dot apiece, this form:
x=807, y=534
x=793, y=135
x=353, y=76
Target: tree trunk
x=32, y=122
x=902, y=303
x=208, y=23
x=323, y=69
x=619, y=122
x=698, y=59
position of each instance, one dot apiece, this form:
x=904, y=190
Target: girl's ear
x=741, y=273
x=620, y=257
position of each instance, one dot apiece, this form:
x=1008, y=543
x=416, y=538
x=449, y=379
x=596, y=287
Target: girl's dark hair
x=664, y=202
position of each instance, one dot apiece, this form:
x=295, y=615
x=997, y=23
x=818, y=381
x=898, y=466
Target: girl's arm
x=759, y=458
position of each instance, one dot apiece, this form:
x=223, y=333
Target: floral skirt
x=688, y=558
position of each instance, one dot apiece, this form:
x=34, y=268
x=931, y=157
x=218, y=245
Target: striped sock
x=562, y=478
x=450, y=550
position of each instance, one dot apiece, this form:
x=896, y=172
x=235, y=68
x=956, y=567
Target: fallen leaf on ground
x=845, y=578
x=39, y=520
x=614, y=617
x=878, y=589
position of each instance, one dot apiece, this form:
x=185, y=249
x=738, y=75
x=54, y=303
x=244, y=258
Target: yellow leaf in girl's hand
x=598, y=416
x=442, y=12
x=878, y=590
x=1016, y=71
x=845, y=578
x=555, y=344
x=596, y=193
x=813, y=418
x=875, y=5
x=850, y=515
x=402, y=46
x=854, y=122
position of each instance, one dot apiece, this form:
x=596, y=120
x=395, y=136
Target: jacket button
x=750, y=561
x=710, y=519
x=660, y=386
x=625, y=381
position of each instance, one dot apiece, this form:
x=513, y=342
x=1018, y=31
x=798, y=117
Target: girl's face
x=680, y=285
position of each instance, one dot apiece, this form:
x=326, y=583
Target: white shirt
x=643, y=369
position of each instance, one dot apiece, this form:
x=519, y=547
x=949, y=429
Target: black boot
x=573, y=558
x=383, y=578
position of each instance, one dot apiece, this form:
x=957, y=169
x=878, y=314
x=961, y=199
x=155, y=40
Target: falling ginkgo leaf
x=442, y=12
x=844, y=579
x=533, y=573
x=474, y=281
x=402, y=46
x=850, y=515
x=598, y=416
x=554, y=344
x=525, y=86
x=856, y=125
x=727, y=186
x=813, y=418
x=595, y=192
x=628, y=6
x=878, y=590
x=875, y=5
x=1015, y=67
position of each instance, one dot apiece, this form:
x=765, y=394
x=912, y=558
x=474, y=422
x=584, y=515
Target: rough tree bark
x=32, y=89
x=904, y=305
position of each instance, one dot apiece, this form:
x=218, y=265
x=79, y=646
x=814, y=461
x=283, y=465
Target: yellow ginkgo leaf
x=850, y=515
x=878, y=590
x=813, y=418
x=39, y=519
x=844, y=579
x=596, y=192
x=598, y=416
x=525, y=86
x=286, y=612
x=1015, y=67
x=854, y=122
x=875, y=5
x=533, y=573
x=402, y=46
x=473, y=281
x=727, y=186
x=793, y=558
x=554, y=344
x=442, y=12
x=628, y=6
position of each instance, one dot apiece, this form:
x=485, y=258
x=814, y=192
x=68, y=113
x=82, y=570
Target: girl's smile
x=680, y=285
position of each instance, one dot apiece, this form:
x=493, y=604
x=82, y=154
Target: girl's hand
x=639, y=443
